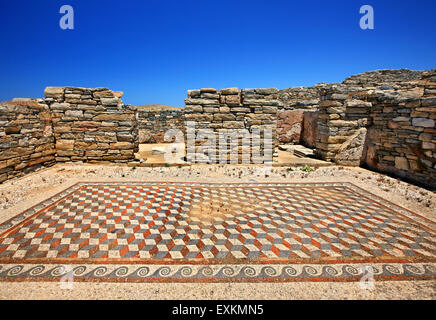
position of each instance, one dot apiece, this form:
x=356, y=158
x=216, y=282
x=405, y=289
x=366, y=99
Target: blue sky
x=155, y=50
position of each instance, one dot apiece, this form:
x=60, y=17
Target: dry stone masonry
x=224, y=113
x=384, y=120
x=389, y=127
x=92, y=125
x=26, y=138
x=153, y=124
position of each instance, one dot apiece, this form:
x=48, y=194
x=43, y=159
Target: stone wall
x=380, y=77
x=152, y=124
x=229, y=111
x=297, y=126
x=390, y=128
x=383, y=119
x=300, y=98
x=402, y=136
x=92, y=125
x=296, y=122
x=26, y=139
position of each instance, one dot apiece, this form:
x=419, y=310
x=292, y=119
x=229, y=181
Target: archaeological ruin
x=383, y=120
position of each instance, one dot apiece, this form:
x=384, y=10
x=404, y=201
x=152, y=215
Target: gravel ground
x=403, y=290
x=39, y=185
x=19, y=194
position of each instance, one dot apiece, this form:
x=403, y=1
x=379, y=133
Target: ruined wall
x=296, y=105
x=390, y=128
x=26, y=139
x=152, y=124
x=384, y=119
x=402, y=137
x=297, y=126
x=291, y=126
x=342, y=124
x=224, y=112
x=300, y=98
x=92, y=125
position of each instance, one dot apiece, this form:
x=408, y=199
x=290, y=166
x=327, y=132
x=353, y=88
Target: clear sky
x=155, y=50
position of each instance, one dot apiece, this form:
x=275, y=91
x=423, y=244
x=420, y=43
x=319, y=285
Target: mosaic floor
x=216, y=232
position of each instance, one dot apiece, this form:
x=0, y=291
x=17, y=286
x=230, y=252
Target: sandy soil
x=403, y=290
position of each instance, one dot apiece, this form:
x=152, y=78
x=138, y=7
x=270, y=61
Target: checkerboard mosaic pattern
x=216, y=232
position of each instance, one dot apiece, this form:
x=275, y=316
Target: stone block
x=423, y=122
x=54, y=92
x=74, y=113
x=208, y=90
x=109, y=101
x=401, y=163
x=224, y=117
x=229, y=91
x=122, y=145
x=65, y=144
x=266, y=91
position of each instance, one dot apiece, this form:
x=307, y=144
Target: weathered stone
x=351, y=152
x=190, y=101
x=343, y=123
x=118, y=94
x=114, y=117
x=223, y=117
x=194, y=108
x=54, y=92
x=357, y=103
x=104, y=94
x=109, y=101
x=429, y=146
x=65, y=144
x=81, y=101
x=269, y=109
x=229, y=91
x=428, y=102
x=401, y=119
x=74, y=113
x=208, y=90
x=60, y=106
x=122, y=145
x=423, y=122
x=233, y=100
x=266, y=91
x=427, y=137
x=310, y=129
x=330, y=103
x=194, y=93
x=289, y=126
x=401, y=163
x=13, y=130
x=233, y=125
x=210, y=109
